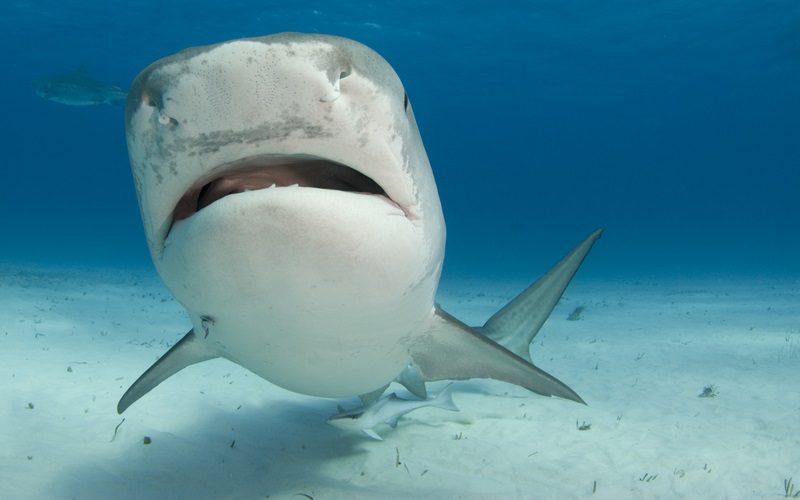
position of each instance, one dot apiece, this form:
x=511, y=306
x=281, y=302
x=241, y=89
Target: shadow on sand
x=280, y=451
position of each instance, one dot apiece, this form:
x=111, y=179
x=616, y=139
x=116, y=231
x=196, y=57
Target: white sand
x=71, y=342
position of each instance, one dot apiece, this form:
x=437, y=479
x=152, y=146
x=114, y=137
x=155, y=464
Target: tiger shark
x=290, y=207
x=78, y=88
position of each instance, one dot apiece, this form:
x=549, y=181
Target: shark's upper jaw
x=274, y=171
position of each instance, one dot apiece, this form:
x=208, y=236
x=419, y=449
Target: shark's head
x=286, y=173
x=314, y=110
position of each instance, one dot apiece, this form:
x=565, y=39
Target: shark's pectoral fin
x=517, y=323
x=411, y=378
x=188, y=351
x=371, y=433
x=371, y=398
x=452, y=350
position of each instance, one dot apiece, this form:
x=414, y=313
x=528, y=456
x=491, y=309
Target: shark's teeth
x=252, y=174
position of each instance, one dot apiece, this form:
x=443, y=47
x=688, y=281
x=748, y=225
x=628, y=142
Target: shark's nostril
x=167, y=120
x=333, y=94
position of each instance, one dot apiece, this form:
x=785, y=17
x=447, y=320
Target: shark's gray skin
x=289, y=205
x=78, y=88
x=388, y=410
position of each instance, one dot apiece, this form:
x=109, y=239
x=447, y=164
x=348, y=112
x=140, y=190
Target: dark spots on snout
x=212, y=142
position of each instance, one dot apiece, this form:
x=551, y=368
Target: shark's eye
x=405, y=101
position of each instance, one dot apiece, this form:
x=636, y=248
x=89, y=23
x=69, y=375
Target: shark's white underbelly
x=314, y=290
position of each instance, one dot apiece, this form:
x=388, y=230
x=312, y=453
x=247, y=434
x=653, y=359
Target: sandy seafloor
x=71, y=342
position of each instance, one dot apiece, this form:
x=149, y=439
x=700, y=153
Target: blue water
x=675, y=125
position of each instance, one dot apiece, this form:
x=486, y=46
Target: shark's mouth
x=266, y=172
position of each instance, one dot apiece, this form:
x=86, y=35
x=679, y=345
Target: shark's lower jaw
x=312, y=289
x=270, y=172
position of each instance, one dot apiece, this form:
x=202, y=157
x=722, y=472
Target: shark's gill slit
x=251, y=176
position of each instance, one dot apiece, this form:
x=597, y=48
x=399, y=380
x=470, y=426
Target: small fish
x=388, y=410
x=78, y=88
